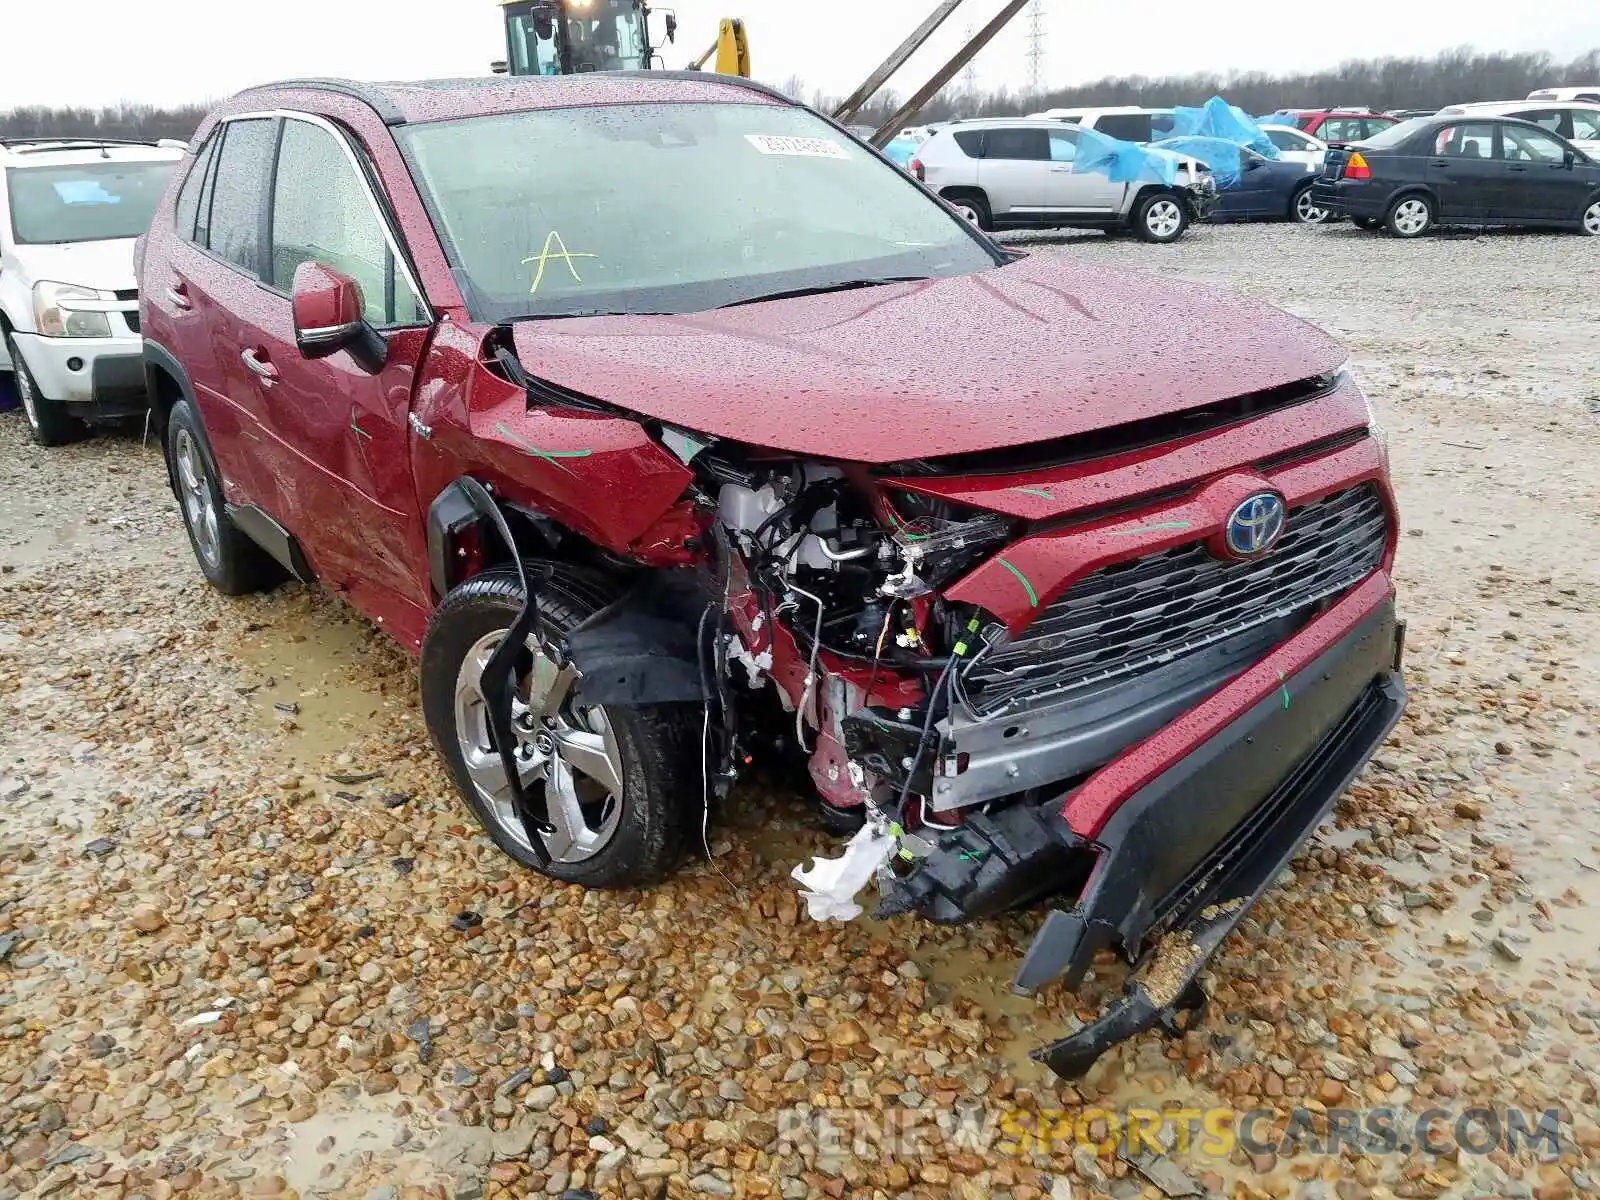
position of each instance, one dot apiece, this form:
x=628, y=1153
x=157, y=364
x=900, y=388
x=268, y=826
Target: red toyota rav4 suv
x=671, y=425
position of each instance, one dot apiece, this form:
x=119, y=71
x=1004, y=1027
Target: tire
x=48, y=420
x=1161, y=217
x=972, y=205
x=630, y=839
x=1410, y=216
x=1303, y=212
x=229, y=560
x=1366, y=222
x=1589, y=220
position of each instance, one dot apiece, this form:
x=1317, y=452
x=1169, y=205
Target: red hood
x=1029, y=352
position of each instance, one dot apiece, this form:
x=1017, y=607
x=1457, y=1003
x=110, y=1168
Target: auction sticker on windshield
x=800, y=147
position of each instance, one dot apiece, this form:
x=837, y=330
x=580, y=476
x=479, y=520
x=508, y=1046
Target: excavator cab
x=569, y=37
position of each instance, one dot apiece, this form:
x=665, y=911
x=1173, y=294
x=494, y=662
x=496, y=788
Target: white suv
x=1019, y=173
x=70, y=211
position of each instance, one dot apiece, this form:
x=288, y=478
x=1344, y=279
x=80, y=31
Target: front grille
x=126, y=294
x=1137, y=615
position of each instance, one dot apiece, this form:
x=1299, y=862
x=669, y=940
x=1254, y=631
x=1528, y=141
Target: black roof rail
x=388, y=112
x=46, y=142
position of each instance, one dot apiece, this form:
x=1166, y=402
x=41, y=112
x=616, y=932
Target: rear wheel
x=1304, y=211
x=48, y=420
x=973, y=206
x=1410, y=216
x=1590, y=224
x=229, y=560
x=619, y=783
x=1160, y=217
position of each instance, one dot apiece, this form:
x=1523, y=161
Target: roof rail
x=46, y=142
x=386, y=109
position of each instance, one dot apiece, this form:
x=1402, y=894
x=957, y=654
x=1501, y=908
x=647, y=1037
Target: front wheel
x=1304, y=209
x=1410, y=216
x=619, y=783
x=1590, y=223
x=48, y=421
x=1160, y=217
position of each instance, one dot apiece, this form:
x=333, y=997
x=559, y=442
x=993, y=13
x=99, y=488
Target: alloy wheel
x=1411, y=217
x=30, y=402
x=1591, y=219
x=567, y=749
x=1163, y=218
x=199, y=508
x=1307, y=212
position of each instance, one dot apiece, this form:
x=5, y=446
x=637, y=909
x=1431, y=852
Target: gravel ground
x=252, y=946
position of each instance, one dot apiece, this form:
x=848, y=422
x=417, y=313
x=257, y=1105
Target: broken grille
x=1137, y=615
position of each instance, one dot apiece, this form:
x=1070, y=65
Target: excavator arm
x=731, y=50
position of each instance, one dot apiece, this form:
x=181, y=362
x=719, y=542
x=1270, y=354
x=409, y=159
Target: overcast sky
x=171, y=51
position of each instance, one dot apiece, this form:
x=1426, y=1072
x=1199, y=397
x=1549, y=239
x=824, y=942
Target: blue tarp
x=902, y=150
x=1123, y=162
x=1225, y=158
x=1216, y=118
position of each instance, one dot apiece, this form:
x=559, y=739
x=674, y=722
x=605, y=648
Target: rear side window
x=189, y=194
x=1028, y=144
x=1063, y=145
x=1130, y=127
x=322, y=212
x=1284, y=140
x=1465, y=141
x=1549, y=118
x=971, y=143
x=238, y=208
x=1585, y=125
x=1343, y=129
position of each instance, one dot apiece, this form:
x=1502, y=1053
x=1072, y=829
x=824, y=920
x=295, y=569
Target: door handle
x=260, y=367
x=1061, y=170
x=1516, y=167
x=1440, y=162
x=178, y=297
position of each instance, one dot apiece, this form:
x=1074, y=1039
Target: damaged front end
x=1015, y=692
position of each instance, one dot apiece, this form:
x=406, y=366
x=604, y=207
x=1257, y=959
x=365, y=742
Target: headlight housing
x=1374, y=426
x=52, y=320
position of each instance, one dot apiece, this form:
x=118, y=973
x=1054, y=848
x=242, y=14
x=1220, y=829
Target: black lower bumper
x=1253, y=795
x=119, y=390
x=1181, y=860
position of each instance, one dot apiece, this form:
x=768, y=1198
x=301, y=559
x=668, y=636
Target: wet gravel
x=232, y=964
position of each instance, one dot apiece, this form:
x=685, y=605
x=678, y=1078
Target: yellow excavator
x=569, y=37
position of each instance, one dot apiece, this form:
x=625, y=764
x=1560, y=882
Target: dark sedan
x=1269, y=190
x=1461, y=170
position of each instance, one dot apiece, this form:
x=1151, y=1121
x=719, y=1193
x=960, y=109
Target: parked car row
x=69, y=305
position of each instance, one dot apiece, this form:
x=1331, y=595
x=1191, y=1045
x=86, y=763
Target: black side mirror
x=1570, y=158
x=1252, y=163
x=672, y=27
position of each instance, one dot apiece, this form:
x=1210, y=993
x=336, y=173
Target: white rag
x=829, y=887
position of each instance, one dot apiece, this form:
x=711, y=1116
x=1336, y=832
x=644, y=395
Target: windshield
x=616, y=40
x=85, y=202
x=671, y=208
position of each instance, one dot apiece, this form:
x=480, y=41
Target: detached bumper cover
x=1178, y=861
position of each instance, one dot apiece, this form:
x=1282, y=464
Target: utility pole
x=1036, y=48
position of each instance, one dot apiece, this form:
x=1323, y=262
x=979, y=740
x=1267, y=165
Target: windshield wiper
x=845, y=286
x=587, y=312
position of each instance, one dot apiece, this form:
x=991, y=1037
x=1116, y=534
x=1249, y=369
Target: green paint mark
x=356, y=429
x=904, y=532
x=549, y=456
x=1147, y=528
x=1033, y=597
x=972, y=856
x=1285, y=688
x=1031, y=491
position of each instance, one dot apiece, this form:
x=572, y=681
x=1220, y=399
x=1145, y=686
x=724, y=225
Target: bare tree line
x=1447, y=78
x=1451, y=77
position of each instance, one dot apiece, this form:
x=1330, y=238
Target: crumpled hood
x=1036, y=350
x=106, y=266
